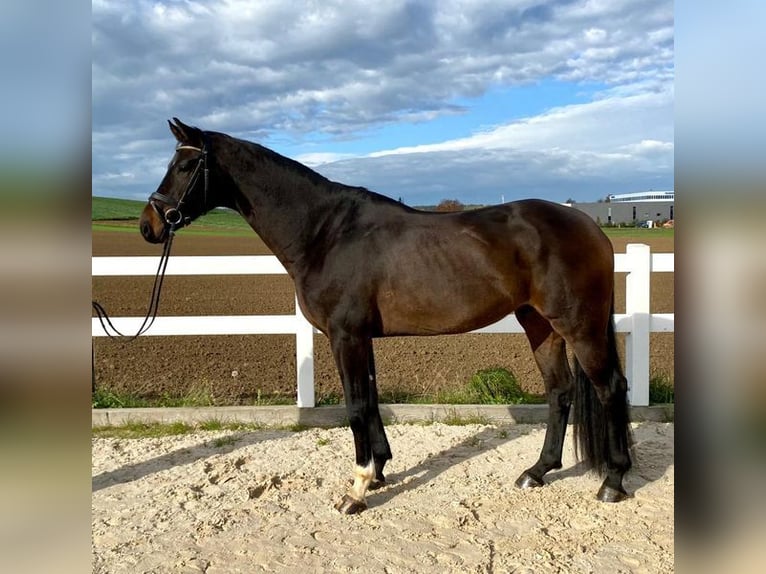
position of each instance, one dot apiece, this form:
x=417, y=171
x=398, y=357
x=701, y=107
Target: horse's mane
x=302, y=171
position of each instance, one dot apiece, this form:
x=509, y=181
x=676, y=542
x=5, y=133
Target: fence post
x=637, y=289
x=304, y=358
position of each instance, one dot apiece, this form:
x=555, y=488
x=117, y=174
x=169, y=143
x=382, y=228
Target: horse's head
x=182, y=195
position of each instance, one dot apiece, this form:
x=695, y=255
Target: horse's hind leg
x=602, y=422
x=550, y=354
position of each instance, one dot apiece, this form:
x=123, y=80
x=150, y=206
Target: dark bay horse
x=366, y=266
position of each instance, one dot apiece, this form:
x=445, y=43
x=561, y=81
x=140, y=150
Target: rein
x=174, y=220
x=154, y=300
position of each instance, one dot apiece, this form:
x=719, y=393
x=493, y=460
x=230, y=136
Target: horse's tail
x=591, y=416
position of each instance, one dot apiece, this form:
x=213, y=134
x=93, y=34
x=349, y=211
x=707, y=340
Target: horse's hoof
x=609, y=494
x=349, y=505
x=526, y=480
x=375, y=484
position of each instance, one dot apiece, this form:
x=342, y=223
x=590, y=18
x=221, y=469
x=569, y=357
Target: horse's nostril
x=146, y=230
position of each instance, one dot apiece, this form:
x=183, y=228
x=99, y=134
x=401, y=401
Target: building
x=641, y=196
x=632, y=208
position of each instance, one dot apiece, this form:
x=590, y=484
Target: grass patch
x=107, y=208
x=495, y=386
x=498, y=386
x=201, y=395
x=271, y=400
x=661, y=390
x=105, y=398
x=158, y=430
x=455, y=420
x=143, y=430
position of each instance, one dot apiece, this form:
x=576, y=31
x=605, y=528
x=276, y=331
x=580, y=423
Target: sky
x=480, y=101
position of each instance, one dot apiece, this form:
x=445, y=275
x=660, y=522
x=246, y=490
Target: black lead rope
x=154, y=301
x=151, y=314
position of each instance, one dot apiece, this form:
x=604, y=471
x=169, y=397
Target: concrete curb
x=329, y=416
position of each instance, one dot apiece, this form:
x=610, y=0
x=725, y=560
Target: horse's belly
x=416, y=316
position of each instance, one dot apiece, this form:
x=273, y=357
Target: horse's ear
x=177, y=130
x=185, y=134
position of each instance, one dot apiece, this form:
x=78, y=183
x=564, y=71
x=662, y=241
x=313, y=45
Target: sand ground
x=262, y=501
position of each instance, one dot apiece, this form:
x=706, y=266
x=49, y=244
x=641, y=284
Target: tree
x=450, y=205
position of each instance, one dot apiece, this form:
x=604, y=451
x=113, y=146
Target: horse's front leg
x=352, y=357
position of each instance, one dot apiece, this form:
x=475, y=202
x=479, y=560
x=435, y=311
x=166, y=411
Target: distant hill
x=107, y=208
x=110, y=209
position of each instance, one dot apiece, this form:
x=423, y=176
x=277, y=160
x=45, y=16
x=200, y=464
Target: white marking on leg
x=363, y=476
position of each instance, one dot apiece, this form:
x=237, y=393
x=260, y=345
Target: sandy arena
x=262, y=501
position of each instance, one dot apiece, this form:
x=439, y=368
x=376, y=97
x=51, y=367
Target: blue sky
x=472, y=100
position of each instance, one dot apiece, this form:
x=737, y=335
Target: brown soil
x=239, y=369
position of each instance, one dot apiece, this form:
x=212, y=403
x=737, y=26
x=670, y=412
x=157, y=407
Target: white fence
x=637, y=322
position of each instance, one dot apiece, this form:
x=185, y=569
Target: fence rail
x=637, y=321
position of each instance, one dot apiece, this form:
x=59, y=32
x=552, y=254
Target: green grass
x=488, y=386
x=135, y=430
x=198, y=396
x=104, y=398
x=495, y=386
x=661, y=390
x=456, y=420
x=638, y=233
x=143, y=430
x=108, y=214
x=107, y=208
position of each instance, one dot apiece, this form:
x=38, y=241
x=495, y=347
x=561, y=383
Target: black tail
x=591, y=441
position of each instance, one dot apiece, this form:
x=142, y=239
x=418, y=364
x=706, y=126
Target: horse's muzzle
x=152, y=228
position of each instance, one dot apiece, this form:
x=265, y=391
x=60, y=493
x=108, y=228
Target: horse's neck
x=285, y=210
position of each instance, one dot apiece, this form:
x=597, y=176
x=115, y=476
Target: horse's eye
x=186, y=165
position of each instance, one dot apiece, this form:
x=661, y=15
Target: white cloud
x=600, y=125
x=345, y=65
x=618, y=143
x=341, y=68
x=321, y=158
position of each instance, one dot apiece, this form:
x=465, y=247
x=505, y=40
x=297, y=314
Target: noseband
x=173, y=216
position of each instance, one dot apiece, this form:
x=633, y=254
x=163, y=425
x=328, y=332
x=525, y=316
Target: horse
x=366, y=266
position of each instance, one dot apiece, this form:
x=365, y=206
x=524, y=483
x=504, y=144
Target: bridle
x=173, y=216
x=174, y=220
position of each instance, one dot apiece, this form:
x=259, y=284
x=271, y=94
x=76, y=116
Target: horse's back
x=438, y=273
x=539, y=234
